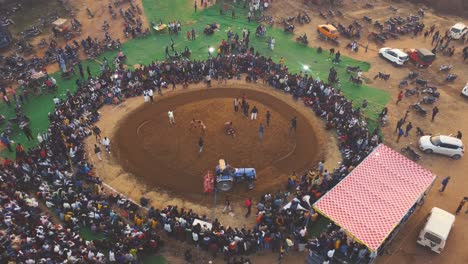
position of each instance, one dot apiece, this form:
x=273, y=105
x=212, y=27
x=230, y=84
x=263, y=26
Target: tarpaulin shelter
x=376, y=196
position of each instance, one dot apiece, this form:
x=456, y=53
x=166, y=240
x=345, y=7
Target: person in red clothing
x=248, y=204
x=400, y=97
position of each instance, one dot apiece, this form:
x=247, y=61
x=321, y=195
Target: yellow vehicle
x=328, y=31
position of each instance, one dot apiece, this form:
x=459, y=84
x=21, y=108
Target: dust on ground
x=111, y=171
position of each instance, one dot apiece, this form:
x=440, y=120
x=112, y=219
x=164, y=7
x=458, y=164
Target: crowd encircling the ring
x=59, y=174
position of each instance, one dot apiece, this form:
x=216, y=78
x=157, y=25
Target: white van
x=437, y=228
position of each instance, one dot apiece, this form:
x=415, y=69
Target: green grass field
x=146, y=50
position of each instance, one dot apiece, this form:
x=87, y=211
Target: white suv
x=464, y=91
x=395, y=56
x=458, y=30
x=444, y=145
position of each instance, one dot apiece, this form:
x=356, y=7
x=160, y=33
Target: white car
x=464, y=91
x=444, y=145
x=395, y=56
x=458, y=30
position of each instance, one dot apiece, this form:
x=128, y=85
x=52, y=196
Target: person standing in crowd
x=28, y=133
x=150, y=95
x=445, y=181
x=253, y=113
x=320, y=167
x=97, y=133
x=272, y=43
x=236, y=104
x=170, y=114
x=268, y=117
x=145, y=96
x=248, y=206
x=435, y=111
x=6, y=141
x=80, y=68
x=88, y=70
x=260, y=131
x=208, y=80
x=200, y=145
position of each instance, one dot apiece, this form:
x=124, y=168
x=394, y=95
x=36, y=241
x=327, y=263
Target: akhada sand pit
x=166, y=156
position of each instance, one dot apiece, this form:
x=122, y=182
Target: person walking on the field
x=170, y=114
x=253, y=113
x=106, y=143
x=400, y=97
x=408, y=129
x=97, y=151
x=293, y=125
x=200, y=146
x=236, y=104
x=227, y=205
x=400, y=133
x=260, y=131
x=461, y=204
x=248, y=205
x=97, y=133
x=268, y=116
x=445, y=181
x=435, y=111
x=399, y=124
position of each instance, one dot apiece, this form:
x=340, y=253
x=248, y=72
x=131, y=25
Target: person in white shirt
x=106, y=143
x=150, y=95
x=170, y=114
x=145, y=96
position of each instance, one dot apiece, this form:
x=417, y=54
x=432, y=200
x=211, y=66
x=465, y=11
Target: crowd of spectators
x=58, y=174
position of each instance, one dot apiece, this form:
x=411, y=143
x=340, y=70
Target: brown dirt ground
x=112, y=171
x=404, y=248
x=173, y=150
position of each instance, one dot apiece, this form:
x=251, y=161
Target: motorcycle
x=382, y=76
x=451, y=77
x=402, y=83
x=413, y=75
x=431, y=91
x=350, y=69
x=411, y=153
x=445, y=67
x=302, y=39
x=355, y=80
x=289, y=28
x=428, y=100
x=410, y=92
x=417, y=107
x=421, y=82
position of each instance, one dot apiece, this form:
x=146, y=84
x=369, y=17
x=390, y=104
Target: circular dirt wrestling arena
x=167, y=156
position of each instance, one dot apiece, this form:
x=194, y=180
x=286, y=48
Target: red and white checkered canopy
x=372, y=200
